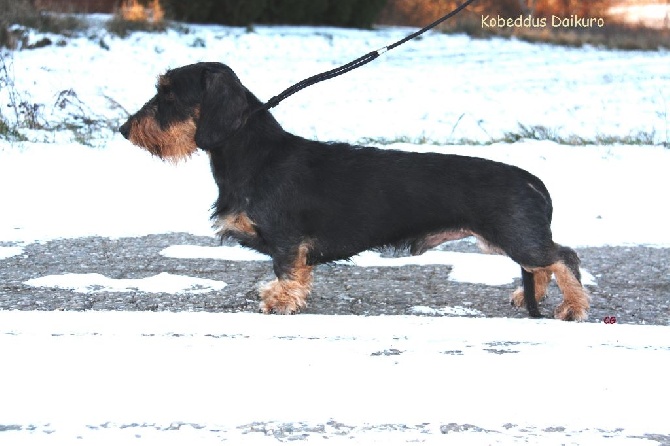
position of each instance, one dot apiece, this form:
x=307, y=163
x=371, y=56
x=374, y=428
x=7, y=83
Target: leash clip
x=381, y=51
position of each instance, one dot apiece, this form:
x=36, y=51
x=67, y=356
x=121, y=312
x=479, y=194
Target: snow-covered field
x=116, y=378
x=202, y=378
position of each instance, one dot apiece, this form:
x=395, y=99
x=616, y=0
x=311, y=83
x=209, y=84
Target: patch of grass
x=63, y=24
x=86, y=127
x=8, y=128
x=529, y=132
x=14, y=12
x=523, y=132
x=29, y=118
x=132, y=17
x=638, y=139
x=399, y=140
x=24, y=14
x=368, y=141
x=123, y=28
x=9, y=132
x=542, y=133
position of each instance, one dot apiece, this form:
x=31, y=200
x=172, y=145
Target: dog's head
x=199, y=105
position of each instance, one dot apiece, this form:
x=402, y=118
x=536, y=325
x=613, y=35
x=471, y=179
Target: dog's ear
x=223, y=109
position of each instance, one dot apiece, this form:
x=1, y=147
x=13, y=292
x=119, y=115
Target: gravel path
x=633, y=282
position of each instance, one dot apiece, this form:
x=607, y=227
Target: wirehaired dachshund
x=306, y=202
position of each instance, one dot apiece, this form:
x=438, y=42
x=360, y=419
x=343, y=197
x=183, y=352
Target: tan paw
x=283, y=297
x=516, y=299
x=567, y=312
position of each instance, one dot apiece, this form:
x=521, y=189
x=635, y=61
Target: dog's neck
x=238, y=162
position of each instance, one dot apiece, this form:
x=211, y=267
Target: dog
x=305, y=202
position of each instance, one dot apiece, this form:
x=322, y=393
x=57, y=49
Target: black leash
x=355, y=63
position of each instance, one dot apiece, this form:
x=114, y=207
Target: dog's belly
x=423, y=244
x=323, y=253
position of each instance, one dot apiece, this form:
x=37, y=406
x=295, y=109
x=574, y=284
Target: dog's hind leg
x=575, y=299
x=541, y=278
x=539, y=258
x=287, y=294
x=529, y=293
x=563, y=263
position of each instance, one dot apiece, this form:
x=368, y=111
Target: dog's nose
x=125, y=129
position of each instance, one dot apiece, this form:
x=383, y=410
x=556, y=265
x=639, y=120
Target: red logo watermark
x=609, y=319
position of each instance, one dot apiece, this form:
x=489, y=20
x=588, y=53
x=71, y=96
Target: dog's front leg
x=287, y=294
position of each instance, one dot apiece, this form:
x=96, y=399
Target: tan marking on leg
x=175, y=143
x=541, y=277
x=235, y=223
x=289, y=295
x=575, y=298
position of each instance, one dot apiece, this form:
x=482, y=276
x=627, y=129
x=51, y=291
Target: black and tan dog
x=306, y=202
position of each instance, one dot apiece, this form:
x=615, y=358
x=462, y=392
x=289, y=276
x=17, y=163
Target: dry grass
x=133, y=16
x=133, y=11
x=22, y=12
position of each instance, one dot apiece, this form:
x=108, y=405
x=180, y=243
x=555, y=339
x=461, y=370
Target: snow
x=232, y=253
x=10, y=251
x=194, y=378
x=201, y=378
x=98, y=283
x=457, y=310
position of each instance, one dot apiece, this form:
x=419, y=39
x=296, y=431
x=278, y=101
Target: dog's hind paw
x=283, y=297
x=275, y=306
x=567, y=312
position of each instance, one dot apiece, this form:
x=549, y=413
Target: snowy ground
x=200, y=378
x=189, y=378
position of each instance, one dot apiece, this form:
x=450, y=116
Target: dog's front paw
x=516, y=299
x=567, y=312
x=283, y=297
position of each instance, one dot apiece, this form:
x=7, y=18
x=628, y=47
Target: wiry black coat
x=345, y=199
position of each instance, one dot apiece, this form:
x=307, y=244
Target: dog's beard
x=175, y=143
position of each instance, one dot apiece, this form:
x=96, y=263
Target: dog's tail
x=570, y=258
